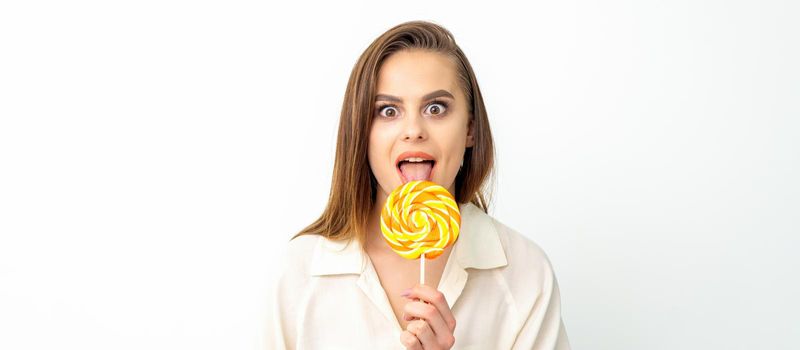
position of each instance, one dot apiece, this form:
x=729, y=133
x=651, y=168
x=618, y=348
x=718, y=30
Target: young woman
x=413, y=94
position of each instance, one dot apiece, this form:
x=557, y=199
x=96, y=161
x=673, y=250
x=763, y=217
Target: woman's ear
x=470, y=133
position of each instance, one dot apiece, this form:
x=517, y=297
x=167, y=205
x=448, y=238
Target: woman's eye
x=437, y=108
x=387, y=111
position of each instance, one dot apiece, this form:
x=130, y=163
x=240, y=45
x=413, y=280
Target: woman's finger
x=424, y=334
x=420, y=310
x=410, y=341
x=435, y=298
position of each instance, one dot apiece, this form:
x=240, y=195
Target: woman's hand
x=432, y=324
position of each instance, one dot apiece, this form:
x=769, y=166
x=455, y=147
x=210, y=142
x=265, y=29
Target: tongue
x=416, y=171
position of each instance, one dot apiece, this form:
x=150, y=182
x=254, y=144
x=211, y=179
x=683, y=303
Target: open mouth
x=415, y=166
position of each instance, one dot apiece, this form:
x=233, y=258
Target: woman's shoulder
x=309, y=254
x=528, y=275
x=526, y=258
x=305, y=243
x=294, y=262
x=299, y=251
x=520, y=246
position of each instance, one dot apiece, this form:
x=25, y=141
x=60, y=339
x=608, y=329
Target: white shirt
x=499, y=284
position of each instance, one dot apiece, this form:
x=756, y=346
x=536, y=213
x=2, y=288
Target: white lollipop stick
x=422, y=269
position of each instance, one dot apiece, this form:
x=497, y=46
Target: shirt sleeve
x=275, y=329
x=282, y=299
x=544, y=329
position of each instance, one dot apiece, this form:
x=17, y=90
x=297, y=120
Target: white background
x=155, y=157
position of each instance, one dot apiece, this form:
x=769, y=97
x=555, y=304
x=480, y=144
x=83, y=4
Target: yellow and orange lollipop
x=420, y=218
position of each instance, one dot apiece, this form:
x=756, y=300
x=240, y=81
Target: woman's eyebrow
x=432, y=95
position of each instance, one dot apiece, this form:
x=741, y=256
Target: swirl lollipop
x=420, y=219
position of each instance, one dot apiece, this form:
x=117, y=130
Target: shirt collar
x=478, y=246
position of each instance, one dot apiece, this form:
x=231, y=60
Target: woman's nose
x=414, y=128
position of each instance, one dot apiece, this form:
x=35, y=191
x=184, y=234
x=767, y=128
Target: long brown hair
x=354, y=187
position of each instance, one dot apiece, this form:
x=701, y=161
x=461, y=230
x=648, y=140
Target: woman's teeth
x=415, y=160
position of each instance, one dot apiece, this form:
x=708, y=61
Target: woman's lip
x=405, y=155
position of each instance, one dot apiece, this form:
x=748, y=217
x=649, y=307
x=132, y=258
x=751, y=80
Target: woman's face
x=421, y=124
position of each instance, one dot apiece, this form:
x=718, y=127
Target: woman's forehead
x=413, y=74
